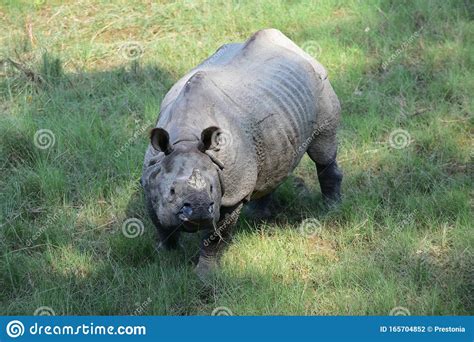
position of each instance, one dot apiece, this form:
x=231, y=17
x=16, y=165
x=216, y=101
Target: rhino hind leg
x=330, y=178
x=323, y=151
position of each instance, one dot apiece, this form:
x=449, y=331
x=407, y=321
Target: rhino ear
x=208, y=137
x=160, y=140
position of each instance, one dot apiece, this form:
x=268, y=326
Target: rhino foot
x=205, y=268
x=160, y=247
x=167, y=241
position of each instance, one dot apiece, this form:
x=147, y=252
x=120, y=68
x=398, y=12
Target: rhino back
x=265, y=92
x=276, y=90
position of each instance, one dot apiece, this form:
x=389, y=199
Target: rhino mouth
x=190, y=226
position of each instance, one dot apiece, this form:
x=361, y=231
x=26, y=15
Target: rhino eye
x=172, y=192
x=211, y=188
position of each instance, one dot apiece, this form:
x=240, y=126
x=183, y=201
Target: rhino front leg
x=213, y=241
x=167, y=239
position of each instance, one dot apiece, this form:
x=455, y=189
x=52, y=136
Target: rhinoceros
x=231, y=131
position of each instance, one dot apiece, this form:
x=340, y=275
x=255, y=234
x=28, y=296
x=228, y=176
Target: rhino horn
x=196, y=181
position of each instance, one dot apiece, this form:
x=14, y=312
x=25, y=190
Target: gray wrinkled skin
x=271, y=101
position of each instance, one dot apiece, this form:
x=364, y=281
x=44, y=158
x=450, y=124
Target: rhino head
x=185, y=189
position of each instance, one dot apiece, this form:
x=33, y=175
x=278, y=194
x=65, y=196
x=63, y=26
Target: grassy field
x=81, y=84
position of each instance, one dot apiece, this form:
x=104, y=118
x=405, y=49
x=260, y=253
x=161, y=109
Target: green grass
x=402, y=237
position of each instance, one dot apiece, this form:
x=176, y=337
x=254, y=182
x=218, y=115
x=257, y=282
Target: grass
x=402, y=237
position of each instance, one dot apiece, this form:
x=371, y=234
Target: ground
x=81, y=84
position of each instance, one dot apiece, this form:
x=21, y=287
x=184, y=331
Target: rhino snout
x=199, y=213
